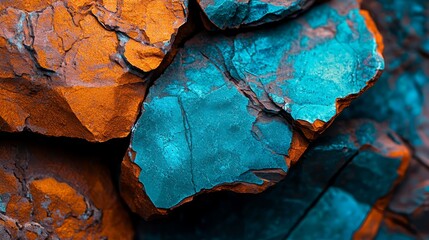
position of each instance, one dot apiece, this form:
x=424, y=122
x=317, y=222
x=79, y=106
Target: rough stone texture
x=346, y=176
x=77, y=68
x=49, y=191
x=400, y=100
x=408, y=216
x=208, y=121
x=400, y=97
x=233, y=112
x=237, y=13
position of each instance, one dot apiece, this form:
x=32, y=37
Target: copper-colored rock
x=143, y=57
x=48, y=191
x=78, y=68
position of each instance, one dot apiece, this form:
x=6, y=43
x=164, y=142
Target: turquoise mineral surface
x=229, y=110
x=326, y=195
x=400, y=100
x=235, y=13
x=400, y=97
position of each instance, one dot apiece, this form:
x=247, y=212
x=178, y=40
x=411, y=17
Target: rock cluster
x=51, y=191
x=234, y=112
x=347, y=174
x=236, y=119
x=78, y=68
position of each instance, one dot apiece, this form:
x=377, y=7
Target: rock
x=79, y=68
x=143, y=57
x=399, y=100
x=237, y=13
x=232, y=113
x=335, y=191
x=404, y=85
x=49, y=190
x=408, y=214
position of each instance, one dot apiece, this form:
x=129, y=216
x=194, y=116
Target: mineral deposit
x=77, y=68
x=236, y=13
x=234, y=112
x=346, y=174
x=49, y=190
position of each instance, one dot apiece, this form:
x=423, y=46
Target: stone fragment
x=400, y=97
x=408, y=214
x=232, y=113
x=400, y=101
x=48, y=190
x=143, y=57
x=237, y=13
x=342, y=181
x=79, y=68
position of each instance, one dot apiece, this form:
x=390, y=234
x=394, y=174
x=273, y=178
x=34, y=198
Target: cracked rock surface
x=404, y=104
x=49, y=191
x=236, y=13
x=404, y=107
x=407, y=216
x=233, y=112
x=346, y=174
x=78, y=68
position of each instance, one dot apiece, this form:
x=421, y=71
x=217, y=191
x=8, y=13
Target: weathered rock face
x=236, y=13
x=77, y=68
x=400, y=99
x=404, y=102
x=49, y=191
x=408, y=211
x=234, y=112
x=346, y=176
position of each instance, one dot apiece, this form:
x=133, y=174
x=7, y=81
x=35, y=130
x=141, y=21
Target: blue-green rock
x=231, y=112
x=400, y=97
x=327, y=195
x=400, y=100
x=408, y=215
x=236, y=13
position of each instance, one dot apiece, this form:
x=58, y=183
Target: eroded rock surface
x=234, y=112
x=236, y=13
x=400, y=97
x=77, y=68
x=49, y=191
x=346, y=174
x=400, y=100
x=408, y=215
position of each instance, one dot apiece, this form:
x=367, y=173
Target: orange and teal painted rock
x=232, y=112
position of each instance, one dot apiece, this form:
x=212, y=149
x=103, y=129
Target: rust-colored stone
x=49, y=191
x=79, y=68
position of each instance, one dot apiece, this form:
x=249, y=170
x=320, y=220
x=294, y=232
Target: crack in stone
x=188, y=137
x=330, y=183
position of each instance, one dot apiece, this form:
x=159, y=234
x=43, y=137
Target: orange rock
x=49, y=191
x=144, y=57
x=79, y=68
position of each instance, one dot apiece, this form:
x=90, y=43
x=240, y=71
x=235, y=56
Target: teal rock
x=400, y=101
x=231, y=112
x=327, y=195
x=408, y=211
x=404, y=102
x=236, y=13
